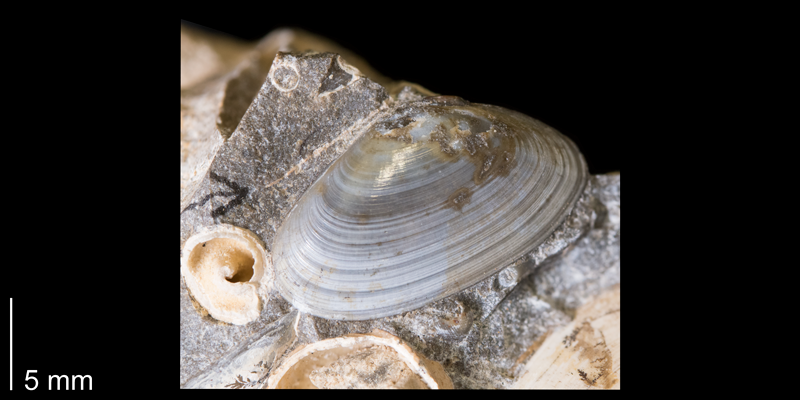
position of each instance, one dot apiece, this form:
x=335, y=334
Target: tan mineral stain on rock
x=583, y=355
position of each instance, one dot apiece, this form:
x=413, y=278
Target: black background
x=572, y=73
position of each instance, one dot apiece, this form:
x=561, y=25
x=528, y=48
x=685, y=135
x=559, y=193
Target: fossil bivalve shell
x=377, y=360
x=426, y=203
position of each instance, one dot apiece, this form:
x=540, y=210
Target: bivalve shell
x=428, y=202
x=377, y=360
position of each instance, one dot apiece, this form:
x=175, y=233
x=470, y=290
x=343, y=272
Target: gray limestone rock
x=252, y=181
x=248, y=169
x=283, y=143
x=220, y=77
x=592, y=263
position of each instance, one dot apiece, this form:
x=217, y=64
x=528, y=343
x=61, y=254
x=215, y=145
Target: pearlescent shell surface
x=428, y=202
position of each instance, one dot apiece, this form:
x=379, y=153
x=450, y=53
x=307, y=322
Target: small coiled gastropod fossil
x=223, y=267
x=431, y=200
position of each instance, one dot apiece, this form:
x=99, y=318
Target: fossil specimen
x=224, y=267
x=377, y=360
x=431, y=199
x=464, y=230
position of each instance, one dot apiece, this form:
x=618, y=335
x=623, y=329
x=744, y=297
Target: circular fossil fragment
x=223, y=267
x=377, y=360
x=430, y=201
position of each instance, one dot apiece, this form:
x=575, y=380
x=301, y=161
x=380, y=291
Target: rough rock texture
x=208, y=346
x=295, y=127
x=582, y=355
x=377, y=367
x=306, y=110
x=220, y=77
x=280, y=147
x=592, y=263
x=247, y=363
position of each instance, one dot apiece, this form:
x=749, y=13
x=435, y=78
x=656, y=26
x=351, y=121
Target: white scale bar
x=10, y=343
